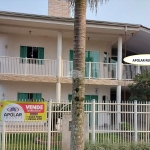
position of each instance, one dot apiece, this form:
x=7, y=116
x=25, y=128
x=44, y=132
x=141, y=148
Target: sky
x=124, y=11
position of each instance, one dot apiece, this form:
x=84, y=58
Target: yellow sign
x=23, y=111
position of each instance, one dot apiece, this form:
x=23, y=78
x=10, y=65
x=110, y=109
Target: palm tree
x=78, y=86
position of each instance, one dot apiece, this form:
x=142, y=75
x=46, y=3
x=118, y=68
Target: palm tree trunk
x=78, y=87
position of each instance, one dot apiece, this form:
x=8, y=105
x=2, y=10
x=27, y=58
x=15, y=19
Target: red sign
x=33, y=108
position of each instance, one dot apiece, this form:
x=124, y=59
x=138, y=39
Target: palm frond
x=93, y=4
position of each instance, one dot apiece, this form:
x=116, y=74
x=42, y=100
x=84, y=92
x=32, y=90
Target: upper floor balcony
x=48, y=68
x=45, y=50
x=129, y=71
x=27, y=66
x=93, y=70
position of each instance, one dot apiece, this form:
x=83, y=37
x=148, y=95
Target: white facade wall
x=10, y=89
x=48, y=90
x=89, y=90
x=10, y=45
x=90, y=46
x=3, y=44
x=14, y=41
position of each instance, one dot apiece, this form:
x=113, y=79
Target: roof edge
x=63, y=19
x=145, y=27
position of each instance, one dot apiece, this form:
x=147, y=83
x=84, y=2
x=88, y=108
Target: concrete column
x=119, y=58
x=118, y=119
x=118, y=116
x=59, y=65
x=58, y=92
x=59, y=53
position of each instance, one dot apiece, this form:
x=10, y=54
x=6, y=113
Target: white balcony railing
x=27, y=66
x=129, y=71
x=47, y=67
x=93, y=70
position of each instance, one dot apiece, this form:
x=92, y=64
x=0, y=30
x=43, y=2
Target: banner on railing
x=23, y=111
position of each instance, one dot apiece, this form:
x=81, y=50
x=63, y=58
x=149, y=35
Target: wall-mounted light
x=3, y=95
x=96, y=90
x=6, y=46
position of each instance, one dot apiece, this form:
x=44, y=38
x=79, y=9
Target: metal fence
x=108, y=122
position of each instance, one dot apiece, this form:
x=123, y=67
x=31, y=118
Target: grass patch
x=109, y=137
x=32, y=141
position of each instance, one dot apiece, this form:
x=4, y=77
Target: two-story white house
x=36, y=54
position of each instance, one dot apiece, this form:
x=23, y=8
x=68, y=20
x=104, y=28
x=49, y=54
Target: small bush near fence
x=116, y=146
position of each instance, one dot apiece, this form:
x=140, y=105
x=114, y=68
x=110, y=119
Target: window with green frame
x=29, y=97
x=33, y=53
x=90, y=56
x=88, y=107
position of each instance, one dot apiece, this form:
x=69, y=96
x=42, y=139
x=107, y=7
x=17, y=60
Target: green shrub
x=125, y=126
x=117, y=146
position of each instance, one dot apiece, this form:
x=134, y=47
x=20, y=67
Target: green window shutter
x=94, y=97
x=71, y=55
x=19, y=97
x=23, y=53
x=87, y=98
x=37, y=96
x=34, y=97
x=86, y=64
x=40, y=54
x=70, y=98
x=23, y=97
x=71, y=63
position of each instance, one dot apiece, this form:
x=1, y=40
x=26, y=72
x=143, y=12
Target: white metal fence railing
x=27, y=66
x=93, y=70
x=106, y=124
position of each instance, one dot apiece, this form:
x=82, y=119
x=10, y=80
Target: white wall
x=3, y=44
x=14, y=41
x=89, y=90
x=10, y=89
x=48, y=90
x=90, y=46
x=103, y=118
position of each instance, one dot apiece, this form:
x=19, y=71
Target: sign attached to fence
x=23, y=111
